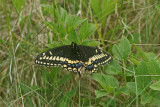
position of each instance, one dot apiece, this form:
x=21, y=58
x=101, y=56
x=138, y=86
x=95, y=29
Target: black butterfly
x=74, y=57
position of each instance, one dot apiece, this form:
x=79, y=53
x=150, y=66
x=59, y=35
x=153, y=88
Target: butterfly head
x=74, y=45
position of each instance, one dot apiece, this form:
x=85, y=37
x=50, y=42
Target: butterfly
x=74, y=57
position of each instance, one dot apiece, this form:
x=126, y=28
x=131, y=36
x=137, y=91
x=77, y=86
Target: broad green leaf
x=142, y=70
x=134, y=39
x=68, y=23
x=73, y=37
x=154, y=69
x=135, y=61
x=91, y=30
x=99, y=78
x=123, y=90
x=146, y=98
x=63, y=14
x=155, y=86
x=78, y=21
x=112, y=81
x=100, y=93
x=130, y=70
x=122, y=50
x=141, y=53
x=150, y=55
x=113, y=68
x=132, y=88
x=154, y=94
x=86, y=30
x=106, y=81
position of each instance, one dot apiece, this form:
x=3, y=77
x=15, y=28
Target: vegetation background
x=127, y=29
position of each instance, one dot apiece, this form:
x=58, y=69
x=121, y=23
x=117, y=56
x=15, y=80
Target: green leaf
x=113, y=68
x=122, y=50
x=63, y=13
x=86, y=30
x=91, y=30
x=123, y=90
x=150, y=55
x=135, y=61
x=134, y=39
x=146, y=98
x=100, y=93
x=155, y=97
x=155, y=86
x=141, y=53
x=78, y=21
x=132, y=88
x=142, y=69
x=107, y=82
x=72, y=36
x=154, y=69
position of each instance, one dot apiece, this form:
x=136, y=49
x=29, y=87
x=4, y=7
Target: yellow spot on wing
x=51, y=58
x=61, y=59
x=50, y=53
x=89, y=62
x=95, y=65
x=65, y=66
x=96, y=51
x=54, y=58
x=44, y=57
x=69, y=68
x=47, y=57
x=69, y=61
x=57, y=58
x=74, y=69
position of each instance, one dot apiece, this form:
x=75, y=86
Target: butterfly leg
x=79, y=73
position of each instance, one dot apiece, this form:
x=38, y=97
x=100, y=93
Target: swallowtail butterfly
x=74, y=57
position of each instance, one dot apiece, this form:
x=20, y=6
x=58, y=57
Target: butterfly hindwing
x=94, y=57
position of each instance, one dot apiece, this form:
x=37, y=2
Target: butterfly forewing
x=53, y=57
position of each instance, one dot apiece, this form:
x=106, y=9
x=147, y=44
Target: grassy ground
x=127, y=29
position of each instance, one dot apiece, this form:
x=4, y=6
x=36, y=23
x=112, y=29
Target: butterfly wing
x=94, y=57
x=64, y=56
x=73, y=57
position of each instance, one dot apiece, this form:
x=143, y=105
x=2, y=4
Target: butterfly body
x=74, y=57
